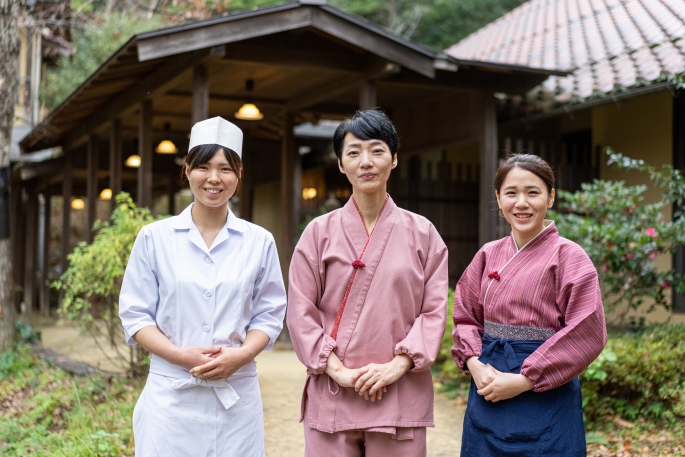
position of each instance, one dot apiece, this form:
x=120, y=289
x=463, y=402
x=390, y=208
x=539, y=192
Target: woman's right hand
x=482, y=374
x=194, y=356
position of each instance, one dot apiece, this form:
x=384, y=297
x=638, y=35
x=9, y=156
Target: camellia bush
x=92, y=282
x=623, y=236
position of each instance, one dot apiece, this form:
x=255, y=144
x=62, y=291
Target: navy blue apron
x=532, y=423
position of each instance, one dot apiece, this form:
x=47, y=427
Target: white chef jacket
x=203, y=297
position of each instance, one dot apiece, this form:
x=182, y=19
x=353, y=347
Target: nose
x=521, y=201
x=366, y=161
x=213, y=175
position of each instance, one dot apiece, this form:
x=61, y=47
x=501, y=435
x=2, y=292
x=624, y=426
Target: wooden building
x=307, y=61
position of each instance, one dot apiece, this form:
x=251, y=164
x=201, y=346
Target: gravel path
x=281, y=377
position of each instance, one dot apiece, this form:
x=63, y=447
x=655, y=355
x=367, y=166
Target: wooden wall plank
x=45, y=256
x=200, y=94
x=487, y=206
x=115, y=159
x=291, y=185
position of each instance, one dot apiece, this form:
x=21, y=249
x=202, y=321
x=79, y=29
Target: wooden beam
x=294, y=57
x=225, y=31
x=487, y=204
x=115, y=159
x=377, y=71
x=17, y=233
x=367, y=95
x=45, y=256
x=200, y=94
x=291, y=189
x=67, y=185
x=30, y=250
x=161, y=80
x=145, y=152
x=91, y=185
x=407, y=55
x=223, y=98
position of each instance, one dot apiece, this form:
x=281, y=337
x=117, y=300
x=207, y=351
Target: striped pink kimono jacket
x=547, y=287
x=397, y=305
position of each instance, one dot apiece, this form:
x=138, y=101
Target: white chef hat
x=217, y=130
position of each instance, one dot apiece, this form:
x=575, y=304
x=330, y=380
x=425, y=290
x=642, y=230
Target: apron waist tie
x=509, y=355
x=227, y=394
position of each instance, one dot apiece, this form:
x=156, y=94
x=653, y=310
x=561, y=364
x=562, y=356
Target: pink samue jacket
x=397, y=305
x=550, y=284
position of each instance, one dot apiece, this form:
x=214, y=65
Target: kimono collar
x=184, y=221
x=354, y=226
x=549, y=232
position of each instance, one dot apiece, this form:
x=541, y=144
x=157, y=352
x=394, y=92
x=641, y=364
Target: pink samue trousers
x=359, y=443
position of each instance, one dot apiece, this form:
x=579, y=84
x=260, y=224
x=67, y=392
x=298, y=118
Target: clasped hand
x=370, y=381
x=494, y=385
x=213, y=363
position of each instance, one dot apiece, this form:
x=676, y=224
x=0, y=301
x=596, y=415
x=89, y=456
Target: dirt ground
x=281, y=378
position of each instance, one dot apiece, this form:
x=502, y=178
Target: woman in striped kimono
x=528, y=319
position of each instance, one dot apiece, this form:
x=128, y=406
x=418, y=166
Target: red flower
x=630, y=256
x=665, y=284
x=650, y=231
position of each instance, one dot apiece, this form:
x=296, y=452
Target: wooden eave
x=152, y=64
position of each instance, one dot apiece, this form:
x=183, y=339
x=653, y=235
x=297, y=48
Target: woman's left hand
x=375, y=376
x=505, y=386
x=224, y=363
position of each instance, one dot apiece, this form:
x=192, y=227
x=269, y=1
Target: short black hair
x=370, y=124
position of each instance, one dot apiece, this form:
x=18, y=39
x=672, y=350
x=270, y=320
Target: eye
x=378, y=151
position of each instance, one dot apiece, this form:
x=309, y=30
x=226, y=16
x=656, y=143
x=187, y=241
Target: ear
x=340, y=167
x=550, y=201
x=394, y=161
x=499, y=204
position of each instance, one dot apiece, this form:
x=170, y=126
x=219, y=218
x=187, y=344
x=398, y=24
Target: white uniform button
x=208, y=293
x=205, y=328
x=208, y=260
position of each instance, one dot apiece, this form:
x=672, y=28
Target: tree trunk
x=10, y=12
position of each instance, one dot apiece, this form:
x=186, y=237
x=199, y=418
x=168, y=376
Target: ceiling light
x=106, y=194
x=249, y=112
x=166, y=146
x=133, y=161
x=77, y=203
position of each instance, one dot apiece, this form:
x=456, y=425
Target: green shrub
x=92, y=282
x=638, y=376
x=623, y=235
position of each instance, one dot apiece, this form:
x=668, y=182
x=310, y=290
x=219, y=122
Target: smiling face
x=524, y=199
x=214, y=182
x=366, y=163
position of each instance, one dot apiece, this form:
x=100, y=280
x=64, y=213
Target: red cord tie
x=358, y=264
x=494, y=275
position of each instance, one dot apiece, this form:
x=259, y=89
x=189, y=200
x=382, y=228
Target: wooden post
x=115, y=152
x=92, y=186
x=200, y=94
x=17, y=233
x=66, y=208
x=367, y=95
x=246, y=183
x=172, y=188
x=45, y=256
x=487, y=206
x=145, y=153
x=30, y=250
x=291, y=190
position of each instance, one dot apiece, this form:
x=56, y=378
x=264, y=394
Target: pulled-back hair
x=370, y=124
x=528, y=162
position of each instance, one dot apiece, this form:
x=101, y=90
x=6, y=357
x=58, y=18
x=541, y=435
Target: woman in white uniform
x=203, y=292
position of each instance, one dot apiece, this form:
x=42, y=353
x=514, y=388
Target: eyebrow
x=357, y=144
x=526, y=187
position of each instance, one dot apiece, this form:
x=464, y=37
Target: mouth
x=522, y=216
x=368, y=176
x=211, y=191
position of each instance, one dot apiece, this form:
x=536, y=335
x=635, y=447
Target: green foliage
x=94, y=40
x=303, y=225
x=92, y=282
x=25, y=333
x=638, y=376
x=49, y=412
x=623, y=235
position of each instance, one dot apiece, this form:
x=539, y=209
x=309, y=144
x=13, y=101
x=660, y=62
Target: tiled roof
x=608, y=45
